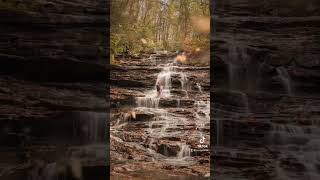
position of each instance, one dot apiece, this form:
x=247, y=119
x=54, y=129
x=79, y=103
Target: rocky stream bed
x=53, y=110
x=265, y=90
x=157, y=137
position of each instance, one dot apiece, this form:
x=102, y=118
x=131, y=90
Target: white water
x=164, y=77
x=306, y=154
x=285, y=79
x=57, y=170
x=184, y=151
x=184, y=83
x=168, y=124
x=202, y=114
x=237, y=61
x=178, y=103
x=50, y=172
x=91, y=126
x=151, y=98
x=199, y=88
x=73, y=163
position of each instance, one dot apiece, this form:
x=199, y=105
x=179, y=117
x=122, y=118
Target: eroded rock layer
x=157, y=136
x=52, y=89
x=265, y=88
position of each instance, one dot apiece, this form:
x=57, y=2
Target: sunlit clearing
x=201, y=24
x=198, y=49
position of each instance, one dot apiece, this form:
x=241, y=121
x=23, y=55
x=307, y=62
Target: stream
x=166, y=128
x=69, y=146
x=267, y=121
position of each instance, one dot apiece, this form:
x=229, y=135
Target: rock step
x=159, y=68
x=148, y=80
x=183, y=103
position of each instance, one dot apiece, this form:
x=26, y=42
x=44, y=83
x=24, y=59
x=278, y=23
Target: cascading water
x=163, y=128
x=232, y=56
x=202, y=115
x=287, y=139
x=71, y=169
x=151, y=98
x=237, y=62
x=199, y=87
x=184, y=151
x=285, y=79
x=164, y=77
x=151, y=104
x=184, y=82
x=90, y=126
x=50, y=172
x=150, y=101
x=245, y=101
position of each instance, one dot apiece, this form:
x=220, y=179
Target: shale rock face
x=265, y=89
x=153, y=135
x=52, y=85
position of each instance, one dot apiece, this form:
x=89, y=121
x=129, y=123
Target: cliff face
x=265, y=61
x=52, y=82
x=54, y=40
x=157, y=137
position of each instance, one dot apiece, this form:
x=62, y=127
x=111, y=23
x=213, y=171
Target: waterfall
x=199, y=88
x=285, y=79
x=178, y=103
x=151, y=98
x=167, y=127
x=184, y=151
x=184, y=82
x=150, y=101
x=71, y=169
x=237, y=59
x=232, y=57
x=90, y=126
x=288, y=129
x=245, y=101
x=49, y=172
x=164, y=78
x=238, y=71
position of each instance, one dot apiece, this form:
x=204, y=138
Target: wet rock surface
x=265, y=90
x=158, y=134
x=52, y=89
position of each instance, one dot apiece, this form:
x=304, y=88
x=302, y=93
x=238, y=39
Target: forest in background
x=146, y=26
